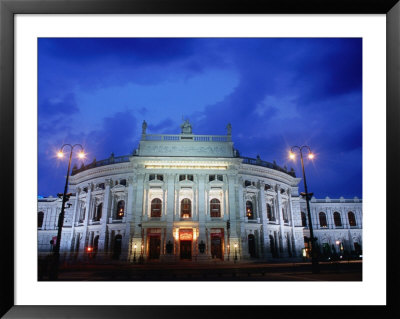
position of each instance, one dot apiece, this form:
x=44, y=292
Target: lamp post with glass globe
x=65, y=197
x=308, y=196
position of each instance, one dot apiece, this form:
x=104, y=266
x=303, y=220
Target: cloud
x=64, y=105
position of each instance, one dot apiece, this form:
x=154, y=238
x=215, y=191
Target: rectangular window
x=182, y=177
x=211, y=178
x=160, y=177
x=219, y=177
x=190, y=178
x=152, y=177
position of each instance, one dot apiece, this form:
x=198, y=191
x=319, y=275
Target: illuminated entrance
x=185, y=237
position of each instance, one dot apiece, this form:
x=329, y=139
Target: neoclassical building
x=191, y=197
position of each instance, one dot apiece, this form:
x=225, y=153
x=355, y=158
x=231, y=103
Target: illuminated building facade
x=185, y=197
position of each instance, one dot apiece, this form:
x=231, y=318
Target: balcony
x=116, y=221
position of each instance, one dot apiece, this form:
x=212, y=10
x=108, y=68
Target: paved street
x=329, y=271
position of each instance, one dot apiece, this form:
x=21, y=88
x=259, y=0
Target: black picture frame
x=8, y=9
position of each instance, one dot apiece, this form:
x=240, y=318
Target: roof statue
x=144, y=127
x=229, y=128
x=186, y=127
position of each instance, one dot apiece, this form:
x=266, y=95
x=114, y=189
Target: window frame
x=216, y=203
x=184, y=207
x=153, y=208
x=325, y=219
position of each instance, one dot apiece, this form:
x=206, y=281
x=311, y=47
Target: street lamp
x=65, y=197
x=307, y=195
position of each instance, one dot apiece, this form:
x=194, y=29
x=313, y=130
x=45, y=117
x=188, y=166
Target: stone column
x=138, y=214
x=292, y=223
x=264, y=238
x=126, y=240
x=104, y=217
x=83, y=243
x=170, y=213
x=235, y=214
x=279, y=211
x=202, y=216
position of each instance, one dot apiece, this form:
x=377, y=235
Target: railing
x=183, y=137
x=214, y=138
x=108, y=161
x=259, y=162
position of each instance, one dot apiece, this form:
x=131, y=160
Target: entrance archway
x=154, y=247
x=117, y=246
x=95, y=245
x=252, y=246
x=272, y=245
x=186, y=249
x=216, y=246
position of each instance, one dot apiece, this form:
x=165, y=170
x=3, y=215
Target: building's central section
x=186, y=144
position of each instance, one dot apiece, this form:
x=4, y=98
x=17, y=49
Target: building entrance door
x=186, y=249
x=117, y=246
x=252, y=246
x=216, y=247
x=154, y=247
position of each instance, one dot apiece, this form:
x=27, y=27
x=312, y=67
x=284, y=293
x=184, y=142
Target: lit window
x=156, y=205
x=215, y=208
x=186, y=208
x=249, y=210
x=120, y=209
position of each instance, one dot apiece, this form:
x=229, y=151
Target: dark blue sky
x=276, y=93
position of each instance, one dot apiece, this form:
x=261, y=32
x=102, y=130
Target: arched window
x=215, y=208
x=120, y=209
x=156, y=205
x=270, y=213
x=303, y=219
x=285, y=215
x=337, y=219
x=249, y=210
x=352, y=219
x=186, y=208
x=98, y=213
x=322, y=220
x=40, y=219
x=82, y=214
